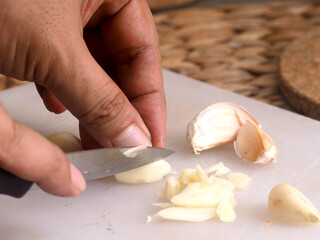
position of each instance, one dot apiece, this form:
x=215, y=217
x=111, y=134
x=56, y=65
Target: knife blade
x=99, y=163
x=93, y=164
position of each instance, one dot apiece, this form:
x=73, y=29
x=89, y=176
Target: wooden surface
x=300, y=74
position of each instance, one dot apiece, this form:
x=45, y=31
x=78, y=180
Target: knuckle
x=105, y=111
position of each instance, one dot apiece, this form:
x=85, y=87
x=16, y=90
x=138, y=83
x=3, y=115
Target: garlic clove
x=202, y=195
x=187, y=214
x=287, y=204
x=225, y=211
x=254, y=145
x=149, y=173
x=241, y=180
x=216, y=125
x=66, y=141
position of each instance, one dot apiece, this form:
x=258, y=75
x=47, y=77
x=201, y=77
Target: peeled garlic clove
x=202, y=195
x=254, y=145
x=66, y=141
x=149, y=173
x=241, y=180
x=216, y=125
x=225, y=211
x=171, y=188
x=187, y=214
x=287, y=204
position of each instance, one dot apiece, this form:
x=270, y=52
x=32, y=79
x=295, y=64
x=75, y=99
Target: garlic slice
x=241, y=180
x=187, y=214
x=216, y=125
x=218, y=168
x=225, y=211
x=254, y=145
x=172, y=188
x=66, y=141
x=202, y=195
x=287, y=204
x=149, y=173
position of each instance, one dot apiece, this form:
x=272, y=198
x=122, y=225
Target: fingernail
x=77, y=179
x=131, y=136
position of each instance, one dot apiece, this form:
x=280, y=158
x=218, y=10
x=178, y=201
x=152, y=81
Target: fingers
x=30, y=156
x=138, y=62
x=50, y=101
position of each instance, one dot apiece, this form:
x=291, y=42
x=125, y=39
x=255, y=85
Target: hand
x=108, y=75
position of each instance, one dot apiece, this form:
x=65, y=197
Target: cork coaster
x=300, y=74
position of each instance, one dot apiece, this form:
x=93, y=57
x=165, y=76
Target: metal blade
x=105, y=162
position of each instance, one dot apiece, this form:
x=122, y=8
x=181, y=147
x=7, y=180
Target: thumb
x=30, y=156
x=91, y=96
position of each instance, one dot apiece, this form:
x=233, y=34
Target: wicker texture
x=235, y=47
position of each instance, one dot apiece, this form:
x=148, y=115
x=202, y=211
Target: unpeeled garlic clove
x=254, y=145
x=287, y=204
x=216, y=125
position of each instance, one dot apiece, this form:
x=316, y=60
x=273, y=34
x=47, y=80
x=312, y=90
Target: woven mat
x=235, y=47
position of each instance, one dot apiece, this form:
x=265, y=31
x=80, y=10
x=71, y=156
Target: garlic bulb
x=216, y=125
x=254, y=145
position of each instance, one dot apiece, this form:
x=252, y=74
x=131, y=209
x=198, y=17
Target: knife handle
x=12, y=185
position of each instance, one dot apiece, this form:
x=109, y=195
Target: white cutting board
x=109, y=210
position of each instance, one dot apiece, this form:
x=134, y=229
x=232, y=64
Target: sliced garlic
x=219, y=169
x=146, y=174
x=225, y=211
x=188, y=175
x=241, y=180
x=171, y=188
x=254, y=145
x=287, y=204
x=202, y=195
x=187, y=214
x=132, y=152
x=66, y=141
x=163, y=204
x=201, y=175
x=216, y=125
x=224, y=182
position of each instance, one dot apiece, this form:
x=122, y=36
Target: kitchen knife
x=93, y=164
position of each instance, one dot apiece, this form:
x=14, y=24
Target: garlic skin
x=66, y=141
x=216, y=125
x=287, y=204
x=254, y=145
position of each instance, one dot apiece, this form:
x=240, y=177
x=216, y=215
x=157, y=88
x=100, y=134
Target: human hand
x=117, y=101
